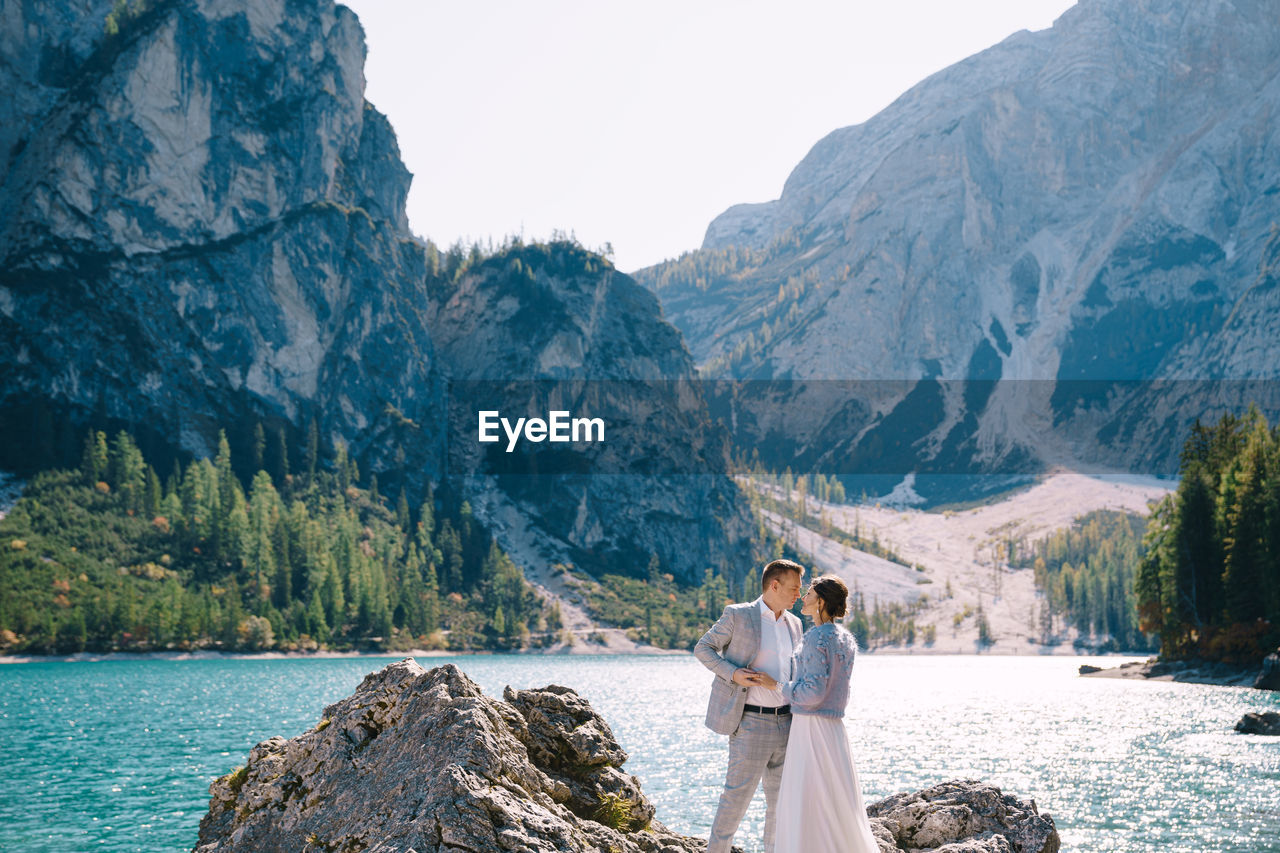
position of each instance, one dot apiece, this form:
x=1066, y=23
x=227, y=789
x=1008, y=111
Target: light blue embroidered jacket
x=823, y=667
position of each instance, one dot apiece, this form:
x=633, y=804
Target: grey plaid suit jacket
x=732, y=643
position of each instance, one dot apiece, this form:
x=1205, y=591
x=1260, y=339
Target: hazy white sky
x=638, y=123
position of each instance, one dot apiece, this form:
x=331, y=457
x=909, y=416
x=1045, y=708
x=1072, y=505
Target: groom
x=749, y=639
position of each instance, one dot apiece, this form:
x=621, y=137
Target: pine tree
x=343, y=467
x=259, y=447
x=1197, y=550
x=153, y=493
x=1246, y=558
x=263, y=516
x=430, y=600
x=426, y=525
x=402, y=511
x=280, y=471
x=127, y=471
x=93, y=462
x=313, y=451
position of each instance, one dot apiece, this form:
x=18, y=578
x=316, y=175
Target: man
x=749, y=639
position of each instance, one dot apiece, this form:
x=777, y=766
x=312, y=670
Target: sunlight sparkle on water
x=1122, y=766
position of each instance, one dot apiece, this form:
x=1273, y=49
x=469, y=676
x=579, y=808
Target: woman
x=820, y=807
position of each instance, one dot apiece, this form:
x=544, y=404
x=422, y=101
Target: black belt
x=780, y=710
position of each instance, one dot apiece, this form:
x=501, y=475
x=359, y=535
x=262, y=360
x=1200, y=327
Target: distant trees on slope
x=109, y=556
x=1210, y=580
x=1085, y=574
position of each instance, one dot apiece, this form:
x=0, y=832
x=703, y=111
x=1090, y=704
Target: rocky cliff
x=202, y=226
x=422, y=760
x=1096, y=201
x=543, y=328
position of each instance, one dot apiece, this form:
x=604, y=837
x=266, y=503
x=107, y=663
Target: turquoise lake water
x=118, y=755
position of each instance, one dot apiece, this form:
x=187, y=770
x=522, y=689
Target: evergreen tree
x=1209, y=581
x=153, y=493
x=1246, y=565
x=127, y=471
x=93, y=462
x=402, y=511
x=313, y=451
x=259, y=447
x=430, y=600
x=263, y=517
x=1196, y=542
x=280, y=460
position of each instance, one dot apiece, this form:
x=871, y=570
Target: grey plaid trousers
x=757, y=750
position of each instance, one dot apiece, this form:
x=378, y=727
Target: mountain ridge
x=1086, y=203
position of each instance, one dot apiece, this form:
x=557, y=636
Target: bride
x=820, y=808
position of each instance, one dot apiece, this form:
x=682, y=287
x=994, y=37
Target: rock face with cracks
x=419, y=760
x=963, y=817
x=423, y=760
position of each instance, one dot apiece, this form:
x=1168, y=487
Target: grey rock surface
x=202, y=225
x=965, y=816
x=1263, y=723
x=422, y=760
x=1269, y=676
x=1189, y=671
x=1095, y=201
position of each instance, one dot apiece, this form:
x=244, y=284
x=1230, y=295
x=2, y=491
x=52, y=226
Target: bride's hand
x=766, y=681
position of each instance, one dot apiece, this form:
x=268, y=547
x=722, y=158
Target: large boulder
x=964, y=816
x=423, y=761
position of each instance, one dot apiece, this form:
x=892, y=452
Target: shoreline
x=1185, y=672
x=208, y=654
x=577, y=650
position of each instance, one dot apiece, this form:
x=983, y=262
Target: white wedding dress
x=820, y=808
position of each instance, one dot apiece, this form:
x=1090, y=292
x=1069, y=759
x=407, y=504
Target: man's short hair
x=776, y=568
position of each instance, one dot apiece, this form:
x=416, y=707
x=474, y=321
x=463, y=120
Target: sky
x=636, y=124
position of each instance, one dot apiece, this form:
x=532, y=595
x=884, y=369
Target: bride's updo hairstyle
x=833, y=593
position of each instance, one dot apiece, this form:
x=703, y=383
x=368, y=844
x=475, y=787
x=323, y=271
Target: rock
x=573, y=745
x=1086, y=669
x=1190, y=671
x=1269, y=676
x=422, y=760
x=965, y=816
x=1264, y=723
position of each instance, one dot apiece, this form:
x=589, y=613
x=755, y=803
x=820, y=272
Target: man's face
x=786, y=589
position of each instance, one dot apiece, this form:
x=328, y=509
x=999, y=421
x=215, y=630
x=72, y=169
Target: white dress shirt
x=774, y=657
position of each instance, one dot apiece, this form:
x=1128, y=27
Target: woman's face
x=810, y=603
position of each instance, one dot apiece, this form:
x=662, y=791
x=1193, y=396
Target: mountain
x=202, y=226
x=1053, y=251
x=198, y=233
x=545, y=328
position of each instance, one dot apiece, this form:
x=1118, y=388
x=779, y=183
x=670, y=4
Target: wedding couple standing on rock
x=781, y=701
